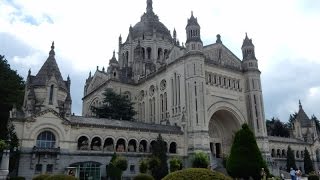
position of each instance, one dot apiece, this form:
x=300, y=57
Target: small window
x=49, y=168
x=132, y=168
x=51, y=94
x=38, y=168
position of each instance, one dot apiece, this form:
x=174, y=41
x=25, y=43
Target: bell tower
x=193, y=42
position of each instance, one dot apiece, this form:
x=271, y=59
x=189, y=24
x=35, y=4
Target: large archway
x=222, y=126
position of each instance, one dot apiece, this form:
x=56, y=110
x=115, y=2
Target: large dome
x=150, y=24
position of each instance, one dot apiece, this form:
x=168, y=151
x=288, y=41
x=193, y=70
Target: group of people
x=295, y=174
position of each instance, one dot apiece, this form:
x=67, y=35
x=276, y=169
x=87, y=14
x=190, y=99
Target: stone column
x=4, y=167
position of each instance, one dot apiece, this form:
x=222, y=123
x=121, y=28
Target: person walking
x=298, y=174
x=292, y=174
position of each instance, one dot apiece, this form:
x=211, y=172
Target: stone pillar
x=4, y=166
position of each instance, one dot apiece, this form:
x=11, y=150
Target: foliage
x=195, y=174
x=143, y=166
x=291, y=161
x=154, y=164
x=3, y=145
x=292, y=117
x=121, y=163
x=116, y=106
x=116, y=166
x=313, y=177
x=17, y=178
x=12, y=92
x=224, y=161
x=159, y=150
x=175, y=164
x=41, y=177
x=245, y=159
x=61, y=177
x=308, y=165
x=277, y=128
x=200, y=160
x=143, y=176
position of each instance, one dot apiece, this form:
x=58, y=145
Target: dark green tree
x=277, y=128
x=159, y=150
x=291, y=161
x=11, y=93
x=116, y=106
x=245, y=159
x=317, y=122
x=308, y=165
x=292, y=117
x=117, y=165
x=200, y=160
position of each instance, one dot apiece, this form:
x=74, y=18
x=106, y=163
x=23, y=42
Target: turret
x=193, y=42
x=248, y=55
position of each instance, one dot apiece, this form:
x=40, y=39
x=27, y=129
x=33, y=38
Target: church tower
x=193, y=42
x=47, y=90
x=253, y=93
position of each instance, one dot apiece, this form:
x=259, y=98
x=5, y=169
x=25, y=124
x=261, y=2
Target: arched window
x=132, y=146
x=121, y=145
x=108, y=145
x=278, y=152
x=143, y=146
x=173, y=148
x=46, y=139
x=283, y=153
x=159, y=54
x=127, y=59
x=83, y=143
x=297, y=154
x=51, y=94
x=149, y=53
x=143, y=53
x=96, y=144
x=272, y=153
x=152, y=145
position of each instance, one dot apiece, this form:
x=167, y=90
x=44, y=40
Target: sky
x=285, y=34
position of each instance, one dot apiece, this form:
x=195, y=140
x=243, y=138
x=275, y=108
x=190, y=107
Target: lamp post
x=4, y=165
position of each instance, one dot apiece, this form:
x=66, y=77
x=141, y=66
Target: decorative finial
x=114, y=54
x=90, y=74
x=218, y=39
x=149, y=6
x=191, y=13
x=52, y=53
x=97, y=68
x=29, y=72
x=68, y=78
x=300, y=106
x=103, y=69
x=247, y=35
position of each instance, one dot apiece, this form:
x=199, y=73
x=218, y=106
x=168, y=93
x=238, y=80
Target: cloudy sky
x=285, y=34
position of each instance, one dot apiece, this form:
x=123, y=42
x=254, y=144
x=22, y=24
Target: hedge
x=143, y=176
x=17, y=178
x=61, y=177
x=196, y=174
x=41, y=177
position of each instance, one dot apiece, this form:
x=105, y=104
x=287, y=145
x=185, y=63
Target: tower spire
x=300, y=106
x=52, y=53
x=149, y=6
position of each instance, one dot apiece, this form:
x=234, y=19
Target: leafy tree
x=245, y=159
x=308, y=165
x=292, y=117
x=160, y=152
x=143, y=166
x=277, y=128
x=116, y=106
x=317, y=122
x=11, y=93
x=291, y=161
x=200, y=160
x=116, y=166
x=175, y=164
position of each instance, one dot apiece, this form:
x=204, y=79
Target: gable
x=49, y=115
x=220, y=55
x=97, y=80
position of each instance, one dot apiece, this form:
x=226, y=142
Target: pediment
x=48, y=113
x=97, y=80
x=220, y=55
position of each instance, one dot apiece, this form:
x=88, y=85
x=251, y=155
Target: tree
x=291, y=161
x=292, y=117
x=117, y=165
x=200, y=160
x=175, y=164
x=116, y=106
x=245, y=159
x=143, y=166
x=277, y=128
x=11, y=93
x=308, y=165
x=159, y=150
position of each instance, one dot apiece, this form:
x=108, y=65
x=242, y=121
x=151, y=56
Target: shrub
x=313, y=177
x=61, y=177
x=41, y=177
x=17, y=178
x=175, y=164
x=195, y=174
x=3, y=145
x=143, y=176
x=121, y=163
x=200, y=160
x=143, y=166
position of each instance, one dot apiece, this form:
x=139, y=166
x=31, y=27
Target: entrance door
x=218, y=150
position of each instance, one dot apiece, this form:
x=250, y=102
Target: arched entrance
x=222, y=126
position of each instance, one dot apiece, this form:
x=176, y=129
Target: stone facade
x=196, y=96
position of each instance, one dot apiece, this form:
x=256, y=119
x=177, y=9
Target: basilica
x=196, y=96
